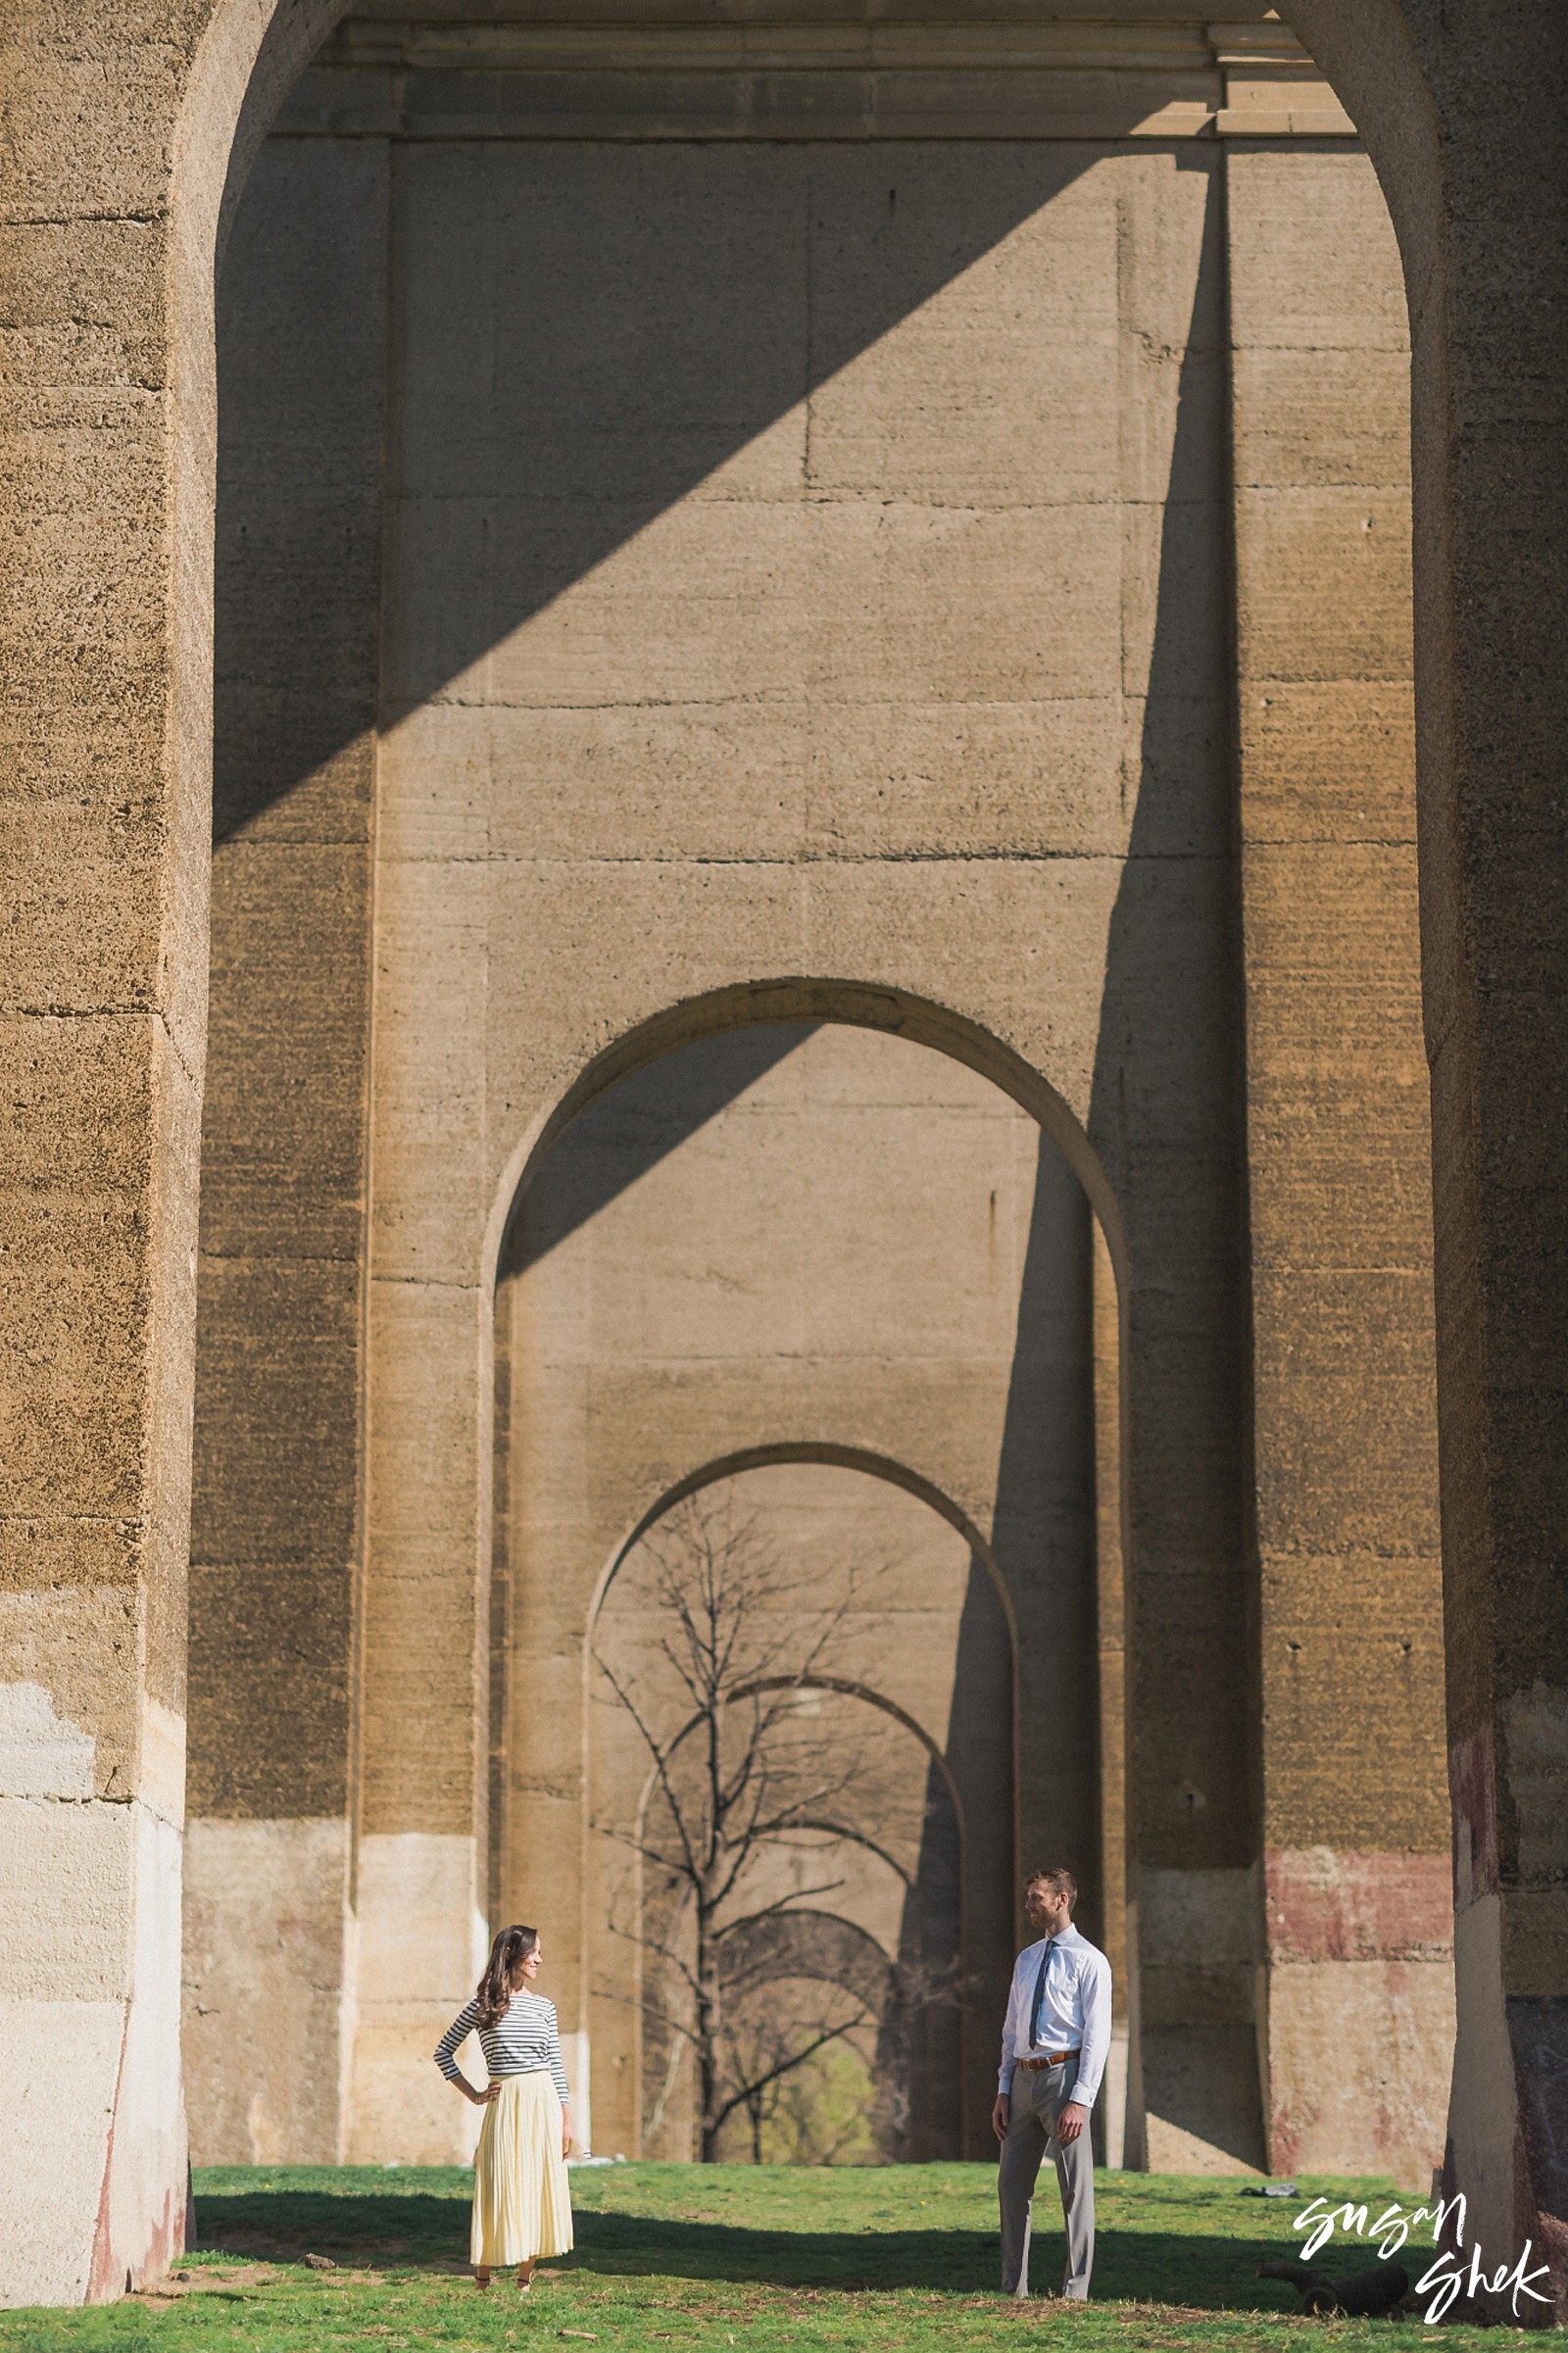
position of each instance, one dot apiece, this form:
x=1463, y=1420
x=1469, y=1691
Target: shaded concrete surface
x=275, y=1533
x=1041, y=1522
x=1164, y=1116
x=638, y=1125
x=529, y=379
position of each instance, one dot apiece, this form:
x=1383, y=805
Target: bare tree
x=747, y=1782
x=826, y=2114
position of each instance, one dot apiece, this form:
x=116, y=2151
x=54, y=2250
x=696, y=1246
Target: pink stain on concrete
x=1326, y=1905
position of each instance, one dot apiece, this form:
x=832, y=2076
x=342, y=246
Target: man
x=1054, y=2047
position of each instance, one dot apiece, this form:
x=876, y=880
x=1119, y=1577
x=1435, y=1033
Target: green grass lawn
x=764, y=2257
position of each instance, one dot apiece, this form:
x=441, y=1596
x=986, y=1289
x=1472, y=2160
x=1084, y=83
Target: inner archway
x=904, y=1717
x=845, y=1282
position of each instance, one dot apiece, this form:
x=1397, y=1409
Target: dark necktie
x=1040, y=1992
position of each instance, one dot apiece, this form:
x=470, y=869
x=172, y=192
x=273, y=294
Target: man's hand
x=1001, y=2116
x=1072, y=2122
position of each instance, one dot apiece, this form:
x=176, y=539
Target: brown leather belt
x=1051, y=2059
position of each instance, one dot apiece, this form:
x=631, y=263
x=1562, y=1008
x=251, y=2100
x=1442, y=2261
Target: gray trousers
x=1037, y=2096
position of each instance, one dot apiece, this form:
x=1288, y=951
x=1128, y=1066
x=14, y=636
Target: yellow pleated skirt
x=521, y=2196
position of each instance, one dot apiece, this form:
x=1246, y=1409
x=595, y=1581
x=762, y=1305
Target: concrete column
x=1357, y=1917
x=105, y=849
x=1165, y=1116
x=424, y=1736
x=1464, y=114
x=120, y=133
x=277, y=1518
x=423, y=1848
x=1111, y=1505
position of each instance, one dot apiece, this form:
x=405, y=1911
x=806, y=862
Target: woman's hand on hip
x=482, y=2099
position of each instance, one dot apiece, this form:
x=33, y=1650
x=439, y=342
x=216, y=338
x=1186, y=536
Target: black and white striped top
x=524, y=2038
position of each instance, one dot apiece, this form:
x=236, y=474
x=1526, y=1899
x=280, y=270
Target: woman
x=522, y=2199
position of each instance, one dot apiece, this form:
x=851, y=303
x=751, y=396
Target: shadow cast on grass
x=1143, y=2265
x=423, y=2232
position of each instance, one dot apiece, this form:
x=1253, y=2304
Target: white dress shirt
x=1074, y=2012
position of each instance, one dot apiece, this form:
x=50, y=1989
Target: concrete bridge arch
x=797, y=1400
x=125, y=185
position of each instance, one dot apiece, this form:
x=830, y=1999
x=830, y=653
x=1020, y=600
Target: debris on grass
x=208, y=2282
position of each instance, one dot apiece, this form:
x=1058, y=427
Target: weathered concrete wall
x=1357, y=1933
x=819, y=1240
x=761, y=711
x=108, y=419
x=122, y=123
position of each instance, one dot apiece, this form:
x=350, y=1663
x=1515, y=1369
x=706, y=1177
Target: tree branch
x=788, y=2066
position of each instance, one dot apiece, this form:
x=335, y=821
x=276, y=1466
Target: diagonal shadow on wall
x=453, y=381
x=637, y=1123
x=956, y=1932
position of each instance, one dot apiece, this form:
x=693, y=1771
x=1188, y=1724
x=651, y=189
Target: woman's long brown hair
x=502, y=1972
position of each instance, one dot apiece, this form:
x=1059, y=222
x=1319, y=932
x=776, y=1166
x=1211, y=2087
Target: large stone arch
x=859, y=1003
x=105, y=1020
x=1197, y=1539
x=1192, y=1830
x=797, y=1415
x=851, y=1459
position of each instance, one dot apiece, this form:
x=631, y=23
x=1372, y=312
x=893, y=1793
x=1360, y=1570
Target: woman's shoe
x=525, y=2276
x=481, y=2278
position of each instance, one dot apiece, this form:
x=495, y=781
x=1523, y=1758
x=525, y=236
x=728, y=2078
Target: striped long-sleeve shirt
x=523, y=2038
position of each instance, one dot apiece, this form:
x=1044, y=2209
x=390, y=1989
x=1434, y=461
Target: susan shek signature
x=1447, y=2276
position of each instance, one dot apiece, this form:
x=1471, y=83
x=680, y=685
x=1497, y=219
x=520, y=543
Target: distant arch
x=869, y=1464
x=845, y=1688
x=810, y=1943
x=809, y=1940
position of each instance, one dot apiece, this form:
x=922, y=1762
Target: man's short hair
x=1059, y=1882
